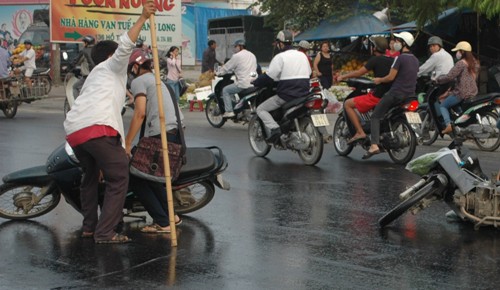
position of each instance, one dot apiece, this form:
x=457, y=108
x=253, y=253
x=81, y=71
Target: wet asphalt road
x=281, y=226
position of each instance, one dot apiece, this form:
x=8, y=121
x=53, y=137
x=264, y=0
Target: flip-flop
x=117, y=239
x=87, y=235
x=154, y=229
x=369, y=154
x=354, y=139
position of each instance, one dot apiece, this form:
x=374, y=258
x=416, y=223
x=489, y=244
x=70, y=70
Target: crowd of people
x=95, y=130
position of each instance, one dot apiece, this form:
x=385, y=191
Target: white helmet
x=406, y=37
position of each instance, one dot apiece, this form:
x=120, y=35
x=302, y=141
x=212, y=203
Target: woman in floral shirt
x=464, y=73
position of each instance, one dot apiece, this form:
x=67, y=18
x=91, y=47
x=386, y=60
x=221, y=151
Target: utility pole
x=56, y=64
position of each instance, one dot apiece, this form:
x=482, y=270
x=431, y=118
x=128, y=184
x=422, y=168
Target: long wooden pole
x=163, y=132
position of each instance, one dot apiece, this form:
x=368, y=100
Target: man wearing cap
x=380, y=64
x=27, y=57
x=242, y=64
x=440, y=62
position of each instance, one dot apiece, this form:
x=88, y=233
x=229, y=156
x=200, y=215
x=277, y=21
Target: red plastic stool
x=192, y=102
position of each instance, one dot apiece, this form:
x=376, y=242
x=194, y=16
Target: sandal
x=154, y=229
x=117, y=239
x=87, y=234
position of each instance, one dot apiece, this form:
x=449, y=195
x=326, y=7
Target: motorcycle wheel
x=428, y=125
x=403, y=155
x=406, y=204
x=213, y=113
x=198, y=195
x=257, y=138
x=341, y=136
x=44, y=83
x=10, y=108
x=489, y=144
x=16, y=201
x=313, y=154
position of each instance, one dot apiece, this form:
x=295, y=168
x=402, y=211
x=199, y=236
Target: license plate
x=413, y=118
x=320, y=120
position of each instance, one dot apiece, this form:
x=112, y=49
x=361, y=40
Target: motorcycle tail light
x=411, y=106
x=315, y=84
x=497, y=101
x=315, y=104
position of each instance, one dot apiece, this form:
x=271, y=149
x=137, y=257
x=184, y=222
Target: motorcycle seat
x=247, y=92
x=296, y=101
x=198, y=160
x=39, y=71
x=478, y=99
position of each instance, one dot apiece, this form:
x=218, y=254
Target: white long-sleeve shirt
x=102, y=96
x=440, y=62
x=242, y=64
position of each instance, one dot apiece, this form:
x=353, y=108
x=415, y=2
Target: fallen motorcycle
x=35, y=191
x=452, y=175
x=303, y=126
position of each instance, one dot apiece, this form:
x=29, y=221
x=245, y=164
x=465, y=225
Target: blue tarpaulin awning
x=358, y=25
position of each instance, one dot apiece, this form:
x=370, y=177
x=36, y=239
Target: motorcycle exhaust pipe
x=406, y=194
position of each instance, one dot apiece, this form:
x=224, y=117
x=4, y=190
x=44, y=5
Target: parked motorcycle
x=35, y=191
x=396, y=134
x=303, y=126
x=244, y=103
x=452, y=175
x=476, y=116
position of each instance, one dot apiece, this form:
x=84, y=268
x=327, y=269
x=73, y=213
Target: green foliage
x=490, y=8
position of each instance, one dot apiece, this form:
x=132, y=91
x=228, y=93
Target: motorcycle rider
x=243, y=63
x=28, y=59
x=439, y=63
x=291, y=69
x=403, y=75
x=84, y=60
x=380, y=64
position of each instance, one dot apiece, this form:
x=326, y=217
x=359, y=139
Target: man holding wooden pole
x=94, y=129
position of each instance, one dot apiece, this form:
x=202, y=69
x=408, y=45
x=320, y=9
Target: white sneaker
x=228, y=115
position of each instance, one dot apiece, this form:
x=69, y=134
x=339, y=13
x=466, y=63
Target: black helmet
x=285, y=36
x=89, y=39
x=380, y=43
x=27, y=41
x=139, y=43
x=239, y=42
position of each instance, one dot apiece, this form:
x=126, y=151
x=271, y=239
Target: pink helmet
x=138, y=56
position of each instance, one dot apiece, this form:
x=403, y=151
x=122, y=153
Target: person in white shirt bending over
x=243, y=63
x=440, y=62
x=94, y=129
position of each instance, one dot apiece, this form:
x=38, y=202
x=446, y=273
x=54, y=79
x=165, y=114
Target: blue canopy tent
x=358, y=25
x=446, y=24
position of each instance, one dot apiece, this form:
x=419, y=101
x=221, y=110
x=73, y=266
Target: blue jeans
x=227, y=92
x=446, y=104
x=175, y=86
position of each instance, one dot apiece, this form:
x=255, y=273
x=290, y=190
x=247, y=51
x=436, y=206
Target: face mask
x=398, y=46
x=458, y=55
x=236, y=49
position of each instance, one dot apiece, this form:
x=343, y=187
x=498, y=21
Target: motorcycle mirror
x=65, y=55
x=253, y=74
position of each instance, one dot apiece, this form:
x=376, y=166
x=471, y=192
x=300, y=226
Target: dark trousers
x=388, y=101
x=107, y=155
x=154, y=198
x=326, y=81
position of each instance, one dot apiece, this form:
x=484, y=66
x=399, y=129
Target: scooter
x=303, y=126
x=244, y=103
x=473, y=118
x=396, y=134
x=35, y=191
x=452, y=175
